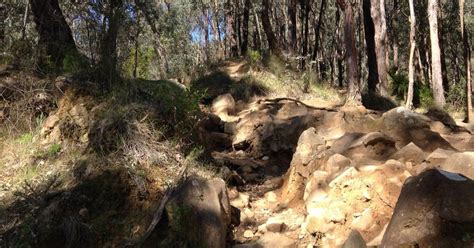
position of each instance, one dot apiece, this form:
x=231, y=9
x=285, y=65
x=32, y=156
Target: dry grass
x=25, y=100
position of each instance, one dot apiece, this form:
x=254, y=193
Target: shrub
x=399, y=84
x=456, y=97
x=74, y=62
x=425, y=96
x=254, y=57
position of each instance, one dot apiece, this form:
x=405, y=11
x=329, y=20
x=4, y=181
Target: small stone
x=316, y=221
x=366, y=196
x=335, y=214
x=241, y=201
x=247, y=169
x=248, y=234
x=84, y=212
x=274, y=225
x=337, y=162
x=262, y=228
x=271, y=197
x=249, y=213
x=363, y=222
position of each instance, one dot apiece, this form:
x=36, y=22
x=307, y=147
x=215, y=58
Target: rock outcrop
x=199, y=213
x=434, y=210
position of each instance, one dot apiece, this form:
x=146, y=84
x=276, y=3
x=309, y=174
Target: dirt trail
x=305, y=176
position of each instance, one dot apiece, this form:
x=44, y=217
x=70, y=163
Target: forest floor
x=303, y=169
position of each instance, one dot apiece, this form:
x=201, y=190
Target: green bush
x=254, y=57
x=144, y=60
x=399, y=84
x=456, y=97
x=425, y=96
x=74, y=62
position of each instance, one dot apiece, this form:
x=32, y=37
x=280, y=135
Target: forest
x=236, y=123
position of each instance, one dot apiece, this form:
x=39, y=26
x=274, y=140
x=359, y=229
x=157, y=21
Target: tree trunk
x=292, y=28
x=436, y=73
x=238, y=26
x=354, y=94
x=55, y=36
x=137, y=47
x=245, y=27
x=317, y=29
x=467, y=60
x=444, y=71
x=305, y=22
x=377, y=12
x=373, y=77
x=411, y=67
x=3, y=18
x=107, y=68
x=258, y=38
x=267, y=27
x=230, y=32
x=395, y=30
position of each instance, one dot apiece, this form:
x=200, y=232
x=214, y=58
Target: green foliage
x=144, y=60
x=425, y=96
x=399, y=84
x=254, y=57
x=456, y=97
x=51, y=152
x=25, y=139
x=180, y=106
x=195, y=153
x=74, y=62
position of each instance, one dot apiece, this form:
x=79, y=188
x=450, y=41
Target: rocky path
x=309, y=177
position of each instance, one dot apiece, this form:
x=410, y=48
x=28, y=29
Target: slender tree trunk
x=245, y=27
x=378, y=16
x=54, y=33
x=272, y=41
x=436, y=69
x=3, y=17
x=317, y=29
x=396, y=12
x=257, y=28
x=467, y=60
x=354, y=93
x=137, y=47
x=373, y=76
x=411, y=67
x=305, y=18
x=292, y=28
x=230, y=32
x=444, y=71
x=25, y=19
x=238, y=26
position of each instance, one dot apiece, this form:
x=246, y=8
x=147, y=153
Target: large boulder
x=435, y=209
x=199, y=213
x=364, y=148
x=406, y=126
x=302, y=165
x=461, y=163
x=272, y=128
x=410, y=153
